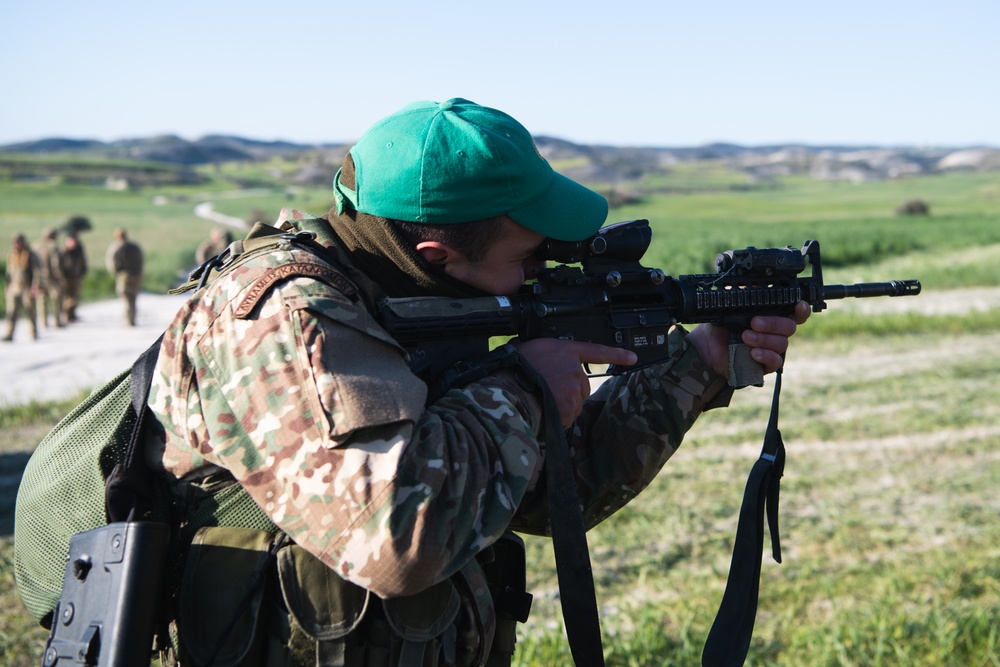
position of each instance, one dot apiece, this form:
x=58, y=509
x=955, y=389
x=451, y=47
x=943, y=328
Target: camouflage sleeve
x=315, y=412
x=628, y=429
x=470, y=460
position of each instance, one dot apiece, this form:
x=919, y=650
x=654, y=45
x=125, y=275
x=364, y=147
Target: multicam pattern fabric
x=313, y=409
x=628, y=429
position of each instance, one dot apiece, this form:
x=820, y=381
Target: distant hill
x=168, y=148
x=851, y=163
x=591, y=163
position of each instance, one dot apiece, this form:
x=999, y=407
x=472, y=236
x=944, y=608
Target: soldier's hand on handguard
x=767, y=337
x=560, y=362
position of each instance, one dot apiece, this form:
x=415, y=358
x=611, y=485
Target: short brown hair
x=473, y=239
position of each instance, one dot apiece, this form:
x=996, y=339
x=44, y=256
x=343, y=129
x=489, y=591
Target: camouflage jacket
x=297, y=391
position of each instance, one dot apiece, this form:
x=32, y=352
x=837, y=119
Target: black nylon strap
x=128, y=490
x=577, y=595
x=729, y=639
x=140, y=384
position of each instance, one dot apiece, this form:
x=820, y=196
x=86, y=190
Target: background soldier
x=218, y=242
x=124, y=261
x=23, y=277
x=74, y=268
x=50, y=296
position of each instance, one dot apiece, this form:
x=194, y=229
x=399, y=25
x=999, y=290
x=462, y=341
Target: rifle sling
x=577, y=595
x=729, y=639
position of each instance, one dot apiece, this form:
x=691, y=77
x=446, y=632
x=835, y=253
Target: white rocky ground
x=62, y=362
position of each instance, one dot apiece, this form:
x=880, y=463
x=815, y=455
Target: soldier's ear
x=438, y=254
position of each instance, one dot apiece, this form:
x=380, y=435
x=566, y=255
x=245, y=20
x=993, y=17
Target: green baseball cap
x=456, y=161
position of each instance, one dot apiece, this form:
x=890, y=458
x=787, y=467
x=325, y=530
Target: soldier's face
x=507, y=264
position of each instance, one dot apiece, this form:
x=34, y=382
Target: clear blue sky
x=622, y=72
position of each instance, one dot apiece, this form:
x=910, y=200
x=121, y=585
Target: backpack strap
x=129, y=489
x=260, y=236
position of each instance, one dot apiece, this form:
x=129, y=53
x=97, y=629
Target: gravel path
x=63, y=362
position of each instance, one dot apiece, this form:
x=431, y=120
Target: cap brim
x=567, y=211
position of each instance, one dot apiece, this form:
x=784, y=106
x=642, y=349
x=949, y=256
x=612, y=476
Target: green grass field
x=888, y=509
x=892, y=487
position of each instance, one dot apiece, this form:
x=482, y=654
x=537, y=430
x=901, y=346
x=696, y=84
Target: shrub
x=914, y=207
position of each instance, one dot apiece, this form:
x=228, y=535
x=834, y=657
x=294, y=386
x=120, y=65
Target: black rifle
x=611, y=299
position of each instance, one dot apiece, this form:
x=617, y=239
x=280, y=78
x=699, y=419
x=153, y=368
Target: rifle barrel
x=861, y=290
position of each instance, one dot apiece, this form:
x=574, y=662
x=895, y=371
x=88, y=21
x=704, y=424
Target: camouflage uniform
x=23, y=278
x=300, y=394
x=124, y=261
x=74, y=268
x=51, y=288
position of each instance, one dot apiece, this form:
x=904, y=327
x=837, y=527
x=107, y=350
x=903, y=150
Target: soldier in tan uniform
x=23, y=277
x=50, y=296
x=124, y=260
x=383, y=511
x=74, y=268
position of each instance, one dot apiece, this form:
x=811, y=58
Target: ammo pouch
x=249, y=598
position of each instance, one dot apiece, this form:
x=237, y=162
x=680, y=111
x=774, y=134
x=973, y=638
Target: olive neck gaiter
x=385, y=256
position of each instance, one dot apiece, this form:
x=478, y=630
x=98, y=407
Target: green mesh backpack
x=64, y=490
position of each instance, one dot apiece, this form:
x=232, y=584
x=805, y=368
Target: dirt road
x=62, y=362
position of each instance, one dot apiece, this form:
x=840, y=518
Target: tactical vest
x=243, y=594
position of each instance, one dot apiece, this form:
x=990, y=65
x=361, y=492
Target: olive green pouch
x=419, y=619
x=476, y=624
x=221, y=594
x=323, y=607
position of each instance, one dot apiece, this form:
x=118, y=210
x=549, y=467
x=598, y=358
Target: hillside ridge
x=586, y=162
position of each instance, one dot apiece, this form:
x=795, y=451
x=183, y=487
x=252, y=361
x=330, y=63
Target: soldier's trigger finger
x=603, y=354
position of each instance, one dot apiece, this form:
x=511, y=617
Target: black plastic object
x=109, y=598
